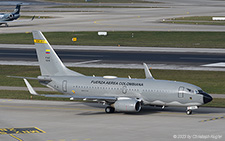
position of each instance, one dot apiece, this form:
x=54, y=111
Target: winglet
x=32, y=18
x=30, y=88
x=148, y=74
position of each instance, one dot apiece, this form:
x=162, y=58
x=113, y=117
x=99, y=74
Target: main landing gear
x=190, y=108
x=5, y=24
x=109, y=109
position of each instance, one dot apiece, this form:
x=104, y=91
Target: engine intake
x=10, y=16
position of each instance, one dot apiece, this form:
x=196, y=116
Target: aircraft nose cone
x=207, y=98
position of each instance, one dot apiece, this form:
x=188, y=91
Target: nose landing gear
x=188, y=112
x=190, y=108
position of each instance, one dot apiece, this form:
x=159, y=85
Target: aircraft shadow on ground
x=146, y=110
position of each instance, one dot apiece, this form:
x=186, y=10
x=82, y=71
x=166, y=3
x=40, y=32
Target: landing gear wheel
x=189, y=112
x=109, y=109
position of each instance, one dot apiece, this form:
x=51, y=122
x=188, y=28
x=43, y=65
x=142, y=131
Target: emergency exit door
x=64, y=86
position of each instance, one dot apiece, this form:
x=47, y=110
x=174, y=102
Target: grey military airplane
x=119, y=94
x=10, y=17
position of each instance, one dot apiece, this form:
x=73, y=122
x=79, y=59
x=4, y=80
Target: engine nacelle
x=10, y=16
x=127, y=105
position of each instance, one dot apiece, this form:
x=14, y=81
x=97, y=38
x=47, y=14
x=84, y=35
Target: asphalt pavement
x=119, y=57
x=71, y=121
x=146, y=17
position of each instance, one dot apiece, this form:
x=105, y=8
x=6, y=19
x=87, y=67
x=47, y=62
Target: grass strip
x=102, y=1
x=199, y=20
x=100, y=6
x=217, y=102
x=10, y=94
x=126, y=38
x=36, y=17
x=194, y=18
x=209, y=81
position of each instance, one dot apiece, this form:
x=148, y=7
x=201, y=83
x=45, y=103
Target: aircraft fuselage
x=150, y=91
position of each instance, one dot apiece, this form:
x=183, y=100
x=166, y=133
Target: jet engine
x=127, y=105
x=10, y=16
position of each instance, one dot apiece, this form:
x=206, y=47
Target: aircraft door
x=124, y=89
x=64, y=86
x=181, y=92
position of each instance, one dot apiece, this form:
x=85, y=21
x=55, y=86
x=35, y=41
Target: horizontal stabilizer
x=30, y=88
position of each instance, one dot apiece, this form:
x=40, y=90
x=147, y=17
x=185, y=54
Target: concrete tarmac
x=75, y=121
x=117, y=19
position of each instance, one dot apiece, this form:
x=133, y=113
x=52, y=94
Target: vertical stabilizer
x=17, y=9
x=49, y=62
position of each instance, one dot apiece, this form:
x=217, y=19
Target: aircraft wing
x=1, y=21
x=102, y=99
x=25, y=20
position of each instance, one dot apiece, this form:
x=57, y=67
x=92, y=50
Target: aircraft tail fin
x=17, y=9
x=50, y=63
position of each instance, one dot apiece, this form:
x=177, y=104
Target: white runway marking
x=221, y=64
x=86, y=62
x=196, y=58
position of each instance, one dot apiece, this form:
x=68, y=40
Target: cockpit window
x=201, y=92
x=190, y=90
x=195, y=91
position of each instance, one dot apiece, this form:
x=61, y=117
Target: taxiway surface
x=117, y=19
x=128, y=58
x=70, y=121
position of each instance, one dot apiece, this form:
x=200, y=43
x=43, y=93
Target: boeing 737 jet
x=10, y=17
x=119, y=94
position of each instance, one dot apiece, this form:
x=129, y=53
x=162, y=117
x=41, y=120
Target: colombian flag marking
x=47, y=51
